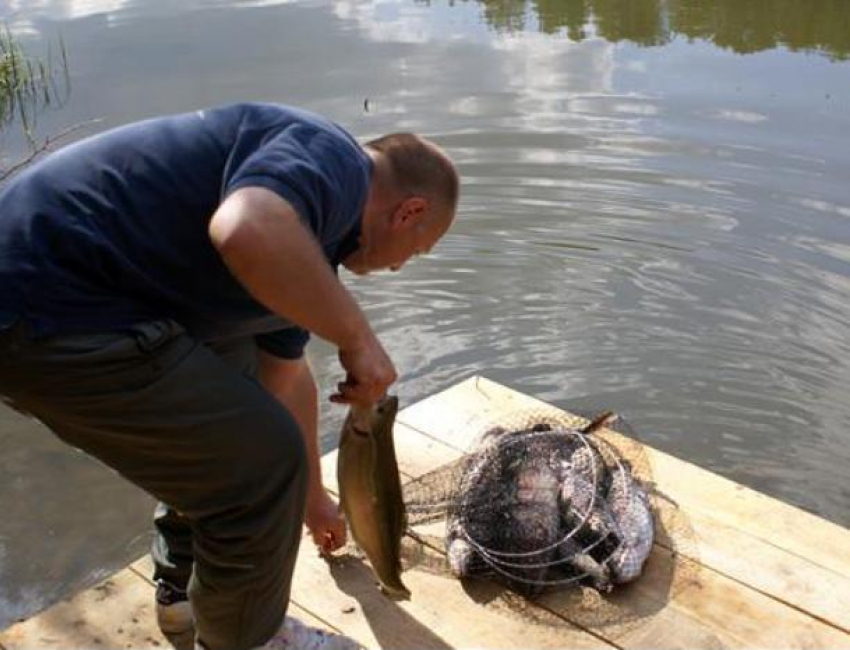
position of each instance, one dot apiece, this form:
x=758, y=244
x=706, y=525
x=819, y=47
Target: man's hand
x=325, y=523
x=370, y=372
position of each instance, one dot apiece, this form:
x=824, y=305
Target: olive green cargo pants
x=180, y=421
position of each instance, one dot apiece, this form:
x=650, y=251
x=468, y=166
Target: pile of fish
x=546, y=507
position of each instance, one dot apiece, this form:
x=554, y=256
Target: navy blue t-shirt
x=113, y=230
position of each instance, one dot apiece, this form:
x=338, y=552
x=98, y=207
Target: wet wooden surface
x=731, y=568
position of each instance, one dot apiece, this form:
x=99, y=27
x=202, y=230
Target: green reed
x=28, y=84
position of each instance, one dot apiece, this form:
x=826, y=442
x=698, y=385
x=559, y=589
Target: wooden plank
x=775, y=572
x=803, y=560
x=632, y=623
x=665, y=591
x=440, y=614
x=813, y=540
x=117, y=613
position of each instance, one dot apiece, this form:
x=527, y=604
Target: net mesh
x=539, y=504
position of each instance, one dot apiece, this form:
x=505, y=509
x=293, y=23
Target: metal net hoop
x=516, y=433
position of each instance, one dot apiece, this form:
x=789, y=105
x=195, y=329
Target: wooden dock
x=731, y=568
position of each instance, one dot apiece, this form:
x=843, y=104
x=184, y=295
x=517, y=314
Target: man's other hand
x=326, y=523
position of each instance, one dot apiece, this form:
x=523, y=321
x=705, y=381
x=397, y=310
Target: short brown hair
x=419, y=167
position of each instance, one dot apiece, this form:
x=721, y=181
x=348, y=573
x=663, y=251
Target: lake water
x=655, y=219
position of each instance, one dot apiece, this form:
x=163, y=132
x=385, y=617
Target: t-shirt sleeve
x=306, y=167
x=286, y=343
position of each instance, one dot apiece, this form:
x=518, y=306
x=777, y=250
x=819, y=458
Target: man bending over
x=158, y=284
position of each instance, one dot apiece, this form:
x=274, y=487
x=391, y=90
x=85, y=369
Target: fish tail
x=603, y=419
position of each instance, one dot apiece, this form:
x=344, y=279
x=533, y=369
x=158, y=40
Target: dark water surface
x=655, y=219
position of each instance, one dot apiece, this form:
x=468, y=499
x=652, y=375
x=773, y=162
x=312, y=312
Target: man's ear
x=410, y=212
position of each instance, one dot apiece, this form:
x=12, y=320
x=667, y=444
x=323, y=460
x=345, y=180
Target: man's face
x=390, y=242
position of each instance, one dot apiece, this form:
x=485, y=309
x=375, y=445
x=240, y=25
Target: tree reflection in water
x=743, y=26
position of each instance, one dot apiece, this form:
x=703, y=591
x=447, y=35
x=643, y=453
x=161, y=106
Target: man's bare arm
x=277, y=259
x=291, y=382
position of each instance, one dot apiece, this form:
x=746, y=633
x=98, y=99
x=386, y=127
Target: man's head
x=411, y=204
